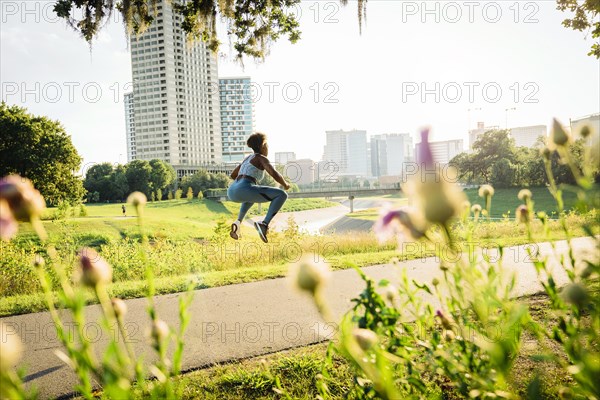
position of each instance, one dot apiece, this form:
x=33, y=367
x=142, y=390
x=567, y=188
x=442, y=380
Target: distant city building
x=285, y=157
x=237, y=117
x=390, y=153
x=129, y=126
x=326, y=171
x=527, y=136
x=348, y=151
x=301, y=172
x=176, y=109
x=592, y=120
x=480, y=130
x=443, y=151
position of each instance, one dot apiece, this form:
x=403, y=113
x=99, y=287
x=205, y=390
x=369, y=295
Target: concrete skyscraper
x=237, y=116
x=129, y=126
x=442, y=151
x=175, y=97
x=347, y=150
x=390, y=153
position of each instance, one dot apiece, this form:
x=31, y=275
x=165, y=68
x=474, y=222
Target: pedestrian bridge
x=350, y=193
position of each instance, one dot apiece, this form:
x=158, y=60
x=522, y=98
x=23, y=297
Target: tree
x=98, y=179
x=252, y=25
x=199, y=181
x=39, y=149
x=138, y=176
x=490, y=148
x=120, y=183
x=220, y=181
x=503, y=173
x=190, y=194
x=585, y=18
x=463, y=163
x=162, y=174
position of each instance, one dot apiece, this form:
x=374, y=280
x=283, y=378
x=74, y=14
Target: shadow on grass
x=216, y=206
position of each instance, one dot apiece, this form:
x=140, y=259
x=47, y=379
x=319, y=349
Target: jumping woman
x=245, y=188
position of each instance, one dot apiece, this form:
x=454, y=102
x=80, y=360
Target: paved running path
x=243, y=320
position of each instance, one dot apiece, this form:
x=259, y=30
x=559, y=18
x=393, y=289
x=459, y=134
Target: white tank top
x=248, y=169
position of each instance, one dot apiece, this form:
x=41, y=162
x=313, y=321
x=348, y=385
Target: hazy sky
x=410, y=67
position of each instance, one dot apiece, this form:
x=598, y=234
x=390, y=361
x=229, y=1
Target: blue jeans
x=246, y=192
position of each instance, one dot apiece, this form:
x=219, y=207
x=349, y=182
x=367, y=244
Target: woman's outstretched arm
x=266, y=164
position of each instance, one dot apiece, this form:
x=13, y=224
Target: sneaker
x=235, y=231
x=262, y=230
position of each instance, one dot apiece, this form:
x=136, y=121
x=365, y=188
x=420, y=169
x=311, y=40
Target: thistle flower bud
x=524, y=194
x=8, y=224
x=559, y=136
x=137, y=199
x=309, y=275
x=23, y=199
x=160, y=330
x=522, y=214
x=365, y=338
x=443, y=204
x=10, y=348
x=94, y=269
x=119, y=306
x=446, y=322
x=486, y=191
x=435, y=282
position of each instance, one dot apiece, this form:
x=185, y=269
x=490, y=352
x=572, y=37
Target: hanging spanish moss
x=252, y=25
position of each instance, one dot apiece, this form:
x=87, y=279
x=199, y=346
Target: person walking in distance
x=246, y=190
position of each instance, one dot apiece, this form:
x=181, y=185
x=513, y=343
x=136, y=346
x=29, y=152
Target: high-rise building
x=237, y=116
x=480, y=130
x=175, y=101
x=129, y=126
x=285, y=157
x=527, y=136
x=348, y=151
x=443, y=151
x=390, y=153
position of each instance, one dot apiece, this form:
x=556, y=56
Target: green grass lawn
x=504, y=202
x=175, y=219
x=189, y=241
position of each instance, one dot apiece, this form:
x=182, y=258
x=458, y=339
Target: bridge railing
x=222, y=193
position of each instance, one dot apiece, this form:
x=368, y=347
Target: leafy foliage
x=397, y=341
x=105, y=182
x=39, y=149
x=585, y=18
x=495, y=160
